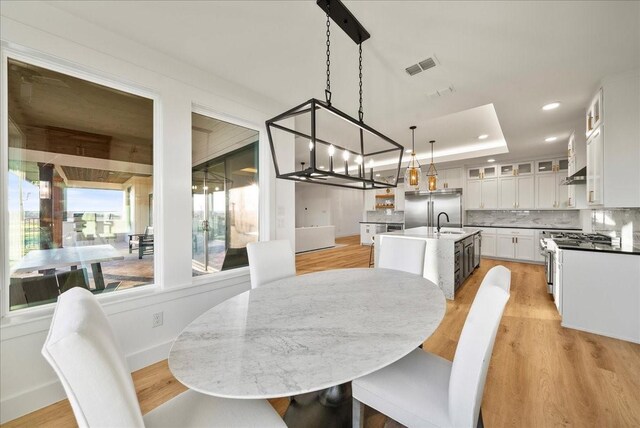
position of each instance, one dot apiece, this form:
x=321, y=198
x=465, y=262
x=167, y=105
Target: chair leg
x=480, y=421
x=358, y=414
x=371, y=255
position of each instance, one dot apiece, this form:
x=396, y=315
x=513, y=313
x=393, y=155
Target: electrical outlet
x=157, y=319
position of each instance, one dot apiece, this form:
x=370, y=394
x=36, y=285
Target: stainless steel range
x=550, y=241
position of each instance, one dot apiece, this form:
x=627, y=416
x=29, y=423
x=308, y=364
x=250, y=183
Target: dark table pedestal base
x=329, y=408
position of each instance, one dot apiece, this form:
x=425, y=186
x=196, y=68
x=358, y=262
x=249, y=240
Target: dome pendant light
x=413, y=172
x=432, y=173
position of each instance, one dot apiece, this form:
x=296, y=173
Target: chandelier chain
x=361, y=110
x=327, y=91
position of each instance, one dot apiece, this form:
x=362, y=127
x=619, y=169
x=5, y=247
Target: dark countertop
x=604, y=248
x=381, y=222
x=522, y=227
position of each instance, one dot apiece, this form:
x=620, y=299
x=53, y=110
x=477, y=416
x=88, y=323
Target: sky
x=78, y=200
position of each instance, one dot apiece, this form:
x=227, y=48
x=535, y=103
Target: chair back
x=499, y=276
x=471, y=361
x=40, y=288
x=73, y=278
x=84, y=353
x=405, y=254
x=270, y=261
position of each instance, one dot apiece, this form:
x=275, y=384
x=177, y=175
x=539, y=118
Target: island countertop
x=431, y=233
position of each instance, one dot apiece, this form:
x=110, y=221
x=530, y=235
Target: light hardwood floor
x=541, y=374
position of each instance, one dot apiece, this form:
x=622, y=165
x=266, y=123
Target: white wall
x=61, y=39
x=329, y=206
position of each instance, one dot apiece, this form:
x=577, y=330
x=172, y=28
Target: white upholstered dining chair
x=499, y=276
x=84, y=353
x=270, y=261
x=405, y=254
x=424, y=390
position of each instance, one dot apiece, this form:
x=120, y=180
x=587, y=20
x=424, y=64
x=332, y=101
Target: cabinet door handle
x=590, y=195
x=516, y=240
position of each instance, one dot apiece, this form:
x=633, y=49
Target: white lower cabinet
x=516, y=244
x=488, y=246
x=525, y=248
x=505, y=247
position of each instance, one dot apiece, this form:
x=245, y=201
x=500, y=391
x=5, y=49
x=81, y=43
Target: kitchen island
x=450, y=256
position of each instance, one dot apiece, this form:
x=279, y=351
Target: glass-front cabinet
x=482, y=172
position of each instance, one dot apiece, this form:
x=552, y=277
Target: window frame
x=36, y=58
x=203, y=110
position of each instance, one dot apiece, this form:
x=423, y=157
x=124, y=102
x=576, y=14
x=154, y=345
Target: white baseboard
x=29, y=401
x=51, y=392
x=149, y=356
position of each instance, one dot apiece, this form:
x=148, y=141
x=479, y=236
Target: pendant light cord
x=327, y=91
x=360, y=111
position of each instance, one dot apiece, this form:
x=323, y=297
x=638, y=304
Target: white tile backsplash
x=560, y=219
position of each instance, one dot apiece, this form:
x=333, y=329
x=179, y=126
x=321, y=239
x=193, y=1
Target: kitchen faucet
x=446, y=215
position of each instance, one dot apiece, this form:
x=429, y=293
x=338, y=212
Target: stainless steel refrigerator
x=422, y=208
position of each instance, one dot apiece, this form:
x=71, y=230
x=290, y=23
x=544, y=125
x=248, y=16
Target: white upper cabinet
x=514, y=169
x=545, y=191
x=489, y=193
x=482, y=172
x=594, y=113
x=473, y=196
x=595, y=164
x=516, y=192
x=613, y=145
x=548, y=190
x=525, y=190
x=450, y=178
x=482, y=194
x=507, y=190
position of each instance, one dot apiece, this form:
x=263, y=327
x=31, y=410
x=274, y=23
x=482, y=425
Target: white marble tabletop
x=306, y=333
x=67, y=256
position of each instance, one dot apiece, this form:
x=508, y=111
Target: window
x=225, y=194
x=79, y=187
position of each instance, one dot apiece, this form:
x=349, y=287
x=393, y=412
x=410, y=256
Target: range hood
x=579, y=177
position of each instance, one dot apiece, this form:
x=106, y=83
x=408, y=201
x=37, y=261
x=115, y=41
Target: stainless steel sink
x=451, y=232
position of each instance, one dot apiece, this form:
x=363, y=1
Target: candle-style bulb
x=310, y=145
x=345, y=155
x=332, y=150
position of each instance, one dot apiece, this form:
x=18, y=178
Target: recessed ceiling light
x=491, y=160
x=482, y=137
x=408, y=151
x=377, y=175
x=550, y=139
x=551, y=106
x=321, y=167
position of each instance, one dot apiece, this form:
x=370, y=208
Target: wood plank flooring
x=541, y=374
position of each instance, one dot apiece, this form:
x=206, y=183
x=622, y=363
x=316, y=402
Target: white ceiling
x=516, y=55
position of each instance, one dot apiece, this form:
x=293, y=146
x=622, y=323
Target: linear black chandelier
x=317, y=132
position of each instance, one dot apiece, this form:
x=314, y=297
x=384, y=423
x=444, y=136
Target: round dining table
x=307, y=333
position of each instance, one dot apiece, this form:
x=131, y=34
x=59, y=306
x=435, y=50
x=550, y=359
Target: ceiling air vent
x=427, y=64
x=422, y=66
x=414, y=69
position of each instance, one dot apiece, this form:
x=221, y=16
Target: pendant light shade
x=413, y=171
x=432, y=173
x=339, y=150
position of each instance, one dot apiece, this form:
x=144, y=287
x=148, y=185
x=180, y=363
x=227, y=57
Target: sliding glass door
x=224, y=186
